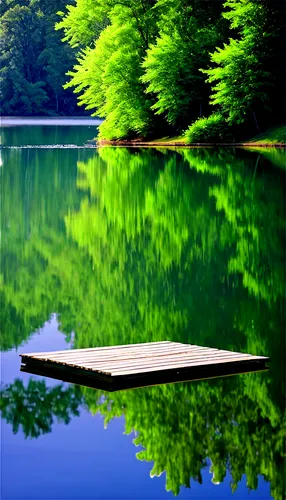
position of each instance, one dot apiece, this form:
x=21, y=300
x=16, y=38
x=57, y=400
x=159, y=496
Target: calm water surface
x=114, y=246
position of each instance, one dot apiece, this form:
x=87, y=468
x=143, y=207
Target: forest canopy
x=160, y=66
x=213, y=70
x=33, y=60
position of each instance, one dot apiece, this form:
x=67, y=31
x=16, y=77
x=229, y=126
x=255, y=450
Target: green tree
x=56, y=58
x=109, y=67
x=83, y=22
x=142, y=65
x=187, y=33
x=22, y=85
x=33, y=60
x=244, y=77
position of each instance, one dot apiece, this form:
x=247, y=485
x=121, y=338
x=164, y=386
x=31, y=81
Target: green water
x=129, y=246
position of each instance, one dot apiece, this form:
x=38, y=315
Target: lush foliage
x=108, y=74
x=159, y=65
x=211, y=129
x=148, y=68
x=241, y=80
x=186, y=34
x=272, y=136
x=33, y=60
x=112, y=85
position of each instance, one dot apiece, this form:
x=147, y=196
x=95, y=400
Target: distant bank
x=18, y=121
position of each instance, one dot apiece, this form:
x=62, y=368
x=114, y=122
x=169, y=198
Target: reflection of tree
x=147, y=226
x=248, y=198
x=41, y=187
x=150, y=235
x=34, y=407
x=13, y=327
x=182, y=425
x=151, y=246
x=179, y=426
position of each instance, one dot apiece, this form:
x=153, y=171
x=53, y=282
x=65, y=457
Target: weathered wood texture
x=124, y=366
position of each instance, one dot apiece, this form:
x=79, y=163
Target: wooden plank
x=158, y=360
x=125, y=364
x=117, y=355
x=182, y=365
x=160, y=355
x=95, y=353
x=143, y=344
x=160, y=365
x=154, y=357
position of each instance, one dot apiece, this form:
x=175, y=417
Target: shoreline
x=137, y=143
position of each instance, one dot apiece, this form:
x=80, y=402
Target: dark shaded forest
x=33, y=60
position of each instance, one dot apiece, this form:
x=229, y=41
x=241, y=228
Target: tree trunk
x=256, y=122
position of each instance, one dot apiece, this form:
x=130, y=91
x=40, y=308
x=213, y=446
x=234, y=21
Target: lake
x=113, y=246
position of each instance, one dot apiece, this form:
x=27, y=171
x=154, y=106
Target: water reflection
x=180, y=426
x=35, y=407
x=44, y=131
x=133, y=246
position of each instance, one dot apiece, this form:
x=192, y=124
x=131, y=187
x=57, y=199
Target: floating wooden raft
x=125, y=366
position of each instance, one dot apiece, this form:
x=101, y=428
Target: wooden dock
x=126, y=366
